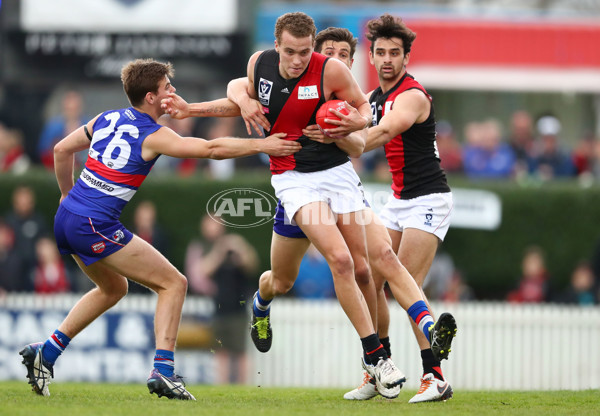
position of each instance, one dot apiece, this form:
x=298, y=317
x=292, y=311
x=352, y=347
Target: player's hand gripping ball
x=323, y=113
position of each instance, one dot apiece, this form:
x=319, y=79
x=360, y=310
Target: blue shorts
x=287, y=230
x=88, y=238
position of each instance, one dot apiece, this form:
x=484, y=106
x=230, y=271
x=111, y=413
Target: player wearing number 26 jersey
x=115, y=168
x=112, y=174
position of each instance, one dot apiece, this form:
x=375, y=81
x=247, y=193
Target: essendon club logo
x=98, y=247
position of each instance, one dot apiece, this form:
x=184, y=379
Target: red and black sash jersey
x=291, y=105
x=413, y=157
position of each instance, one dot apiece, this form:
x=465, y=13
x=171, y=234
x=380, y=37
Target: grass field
x=84, y=399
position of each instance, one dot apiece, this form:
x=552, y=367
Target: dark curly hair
x=387, y=27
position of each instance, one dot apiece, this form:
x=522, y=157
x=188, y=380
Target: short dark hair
x=387, y=27
x=300, y=25
x=336, y=34
x=143, y=76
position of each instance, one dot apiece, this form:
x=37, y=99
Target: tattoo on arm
x=216, y=109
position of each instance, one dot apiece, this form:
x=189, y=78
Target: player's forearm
x=222, y=107
x=353, y=144
x=63, y=168
x=366, y=113
x=228, y=148
x=377, y=136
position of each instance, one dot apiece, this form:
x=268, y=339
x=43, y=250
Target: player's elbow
x=357, y=146
x=215, y=151
x=218, y=156
x=60, y=149
x=355, y=153
x=357, y=150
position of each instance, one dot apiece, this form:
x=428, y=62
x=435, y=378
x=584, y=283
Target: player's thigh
x=352, y=229
x=286, y=256
x=396, y=237
x=142, y=263
x=417, y=251
x=319, y=224
x=107, y=280
x=379, y=245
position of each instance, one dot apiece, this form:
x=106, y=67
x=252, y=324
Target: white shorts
x=339, y=187
x=430, y=213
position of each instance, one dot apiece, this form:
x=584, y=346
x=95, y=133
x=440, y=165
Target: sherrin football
x=323, y=113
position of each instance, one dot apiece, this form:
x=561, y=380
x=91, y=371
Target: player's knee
x=340, y=262
x=281, y=287
x=385, y=259
x=362, y=273
x=180, y=283
x=280, y=283
x=116, y=292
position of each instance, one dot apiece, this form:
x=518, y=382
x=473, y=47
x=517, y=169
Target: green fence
x=562, y=218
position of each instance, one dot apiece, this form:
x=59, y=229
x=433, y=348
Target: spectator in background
x=28, y=226
x=585, y=158
x=533, y=285
x=220, y=265
x=314, y=277
x=70, y=118
x=12, y=154
x=582, y=289
x=10, y=278
x=439, y=275
x=457, y=290
x=521, y=138
x=146, y=227
x=444, y=282
x=50, y=273
x=450, y=150
x=549, y=159
x=485, y=156
x=222, y=127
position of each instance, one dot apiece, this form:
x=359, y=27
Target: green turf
x=83, y=399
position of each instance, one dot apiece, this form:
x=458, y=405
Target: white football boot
x=432, y=390
x=367, y=390
x=388, y=378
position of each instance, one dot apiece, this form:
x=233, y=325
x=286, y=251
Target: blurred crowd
x=220, y=264
x=527, y=148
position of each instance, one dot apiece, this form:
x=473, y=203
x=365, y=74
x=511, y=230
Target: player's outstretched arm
x=64, y=157
x=165, y=141
x=178, y=108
